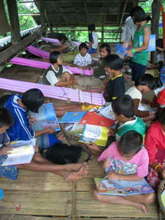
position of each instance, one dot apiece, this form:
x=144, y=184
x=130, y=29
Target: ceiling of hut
x=78, y=13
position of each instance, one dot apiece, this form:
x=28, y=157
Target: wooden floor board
x=36, y=203
x=88, y=206
x=37, y=193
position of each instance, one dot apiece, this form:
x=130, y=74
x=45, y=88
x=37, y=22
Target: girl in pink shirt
x=126, y=165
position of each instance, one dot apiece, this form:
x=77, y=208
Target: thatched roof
x=76, y=13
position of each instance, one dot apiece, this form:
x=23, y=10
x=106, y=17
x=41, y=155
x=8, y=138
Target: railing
x=6, y=40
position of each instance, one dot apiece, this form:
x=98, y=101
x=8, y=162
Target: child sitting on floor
x=123, y=107
x=57, y=75
x=65, y=45
x=115, y=86
x=155, y=144
x=145, y=84
x=83, y=59
x=66, y=163
x=18, y=106
x=126, y=166
x=99, y=70
x=5, y=123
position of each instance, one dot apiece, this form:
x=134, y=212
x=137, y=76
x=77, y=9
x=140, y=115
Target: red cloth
x=93, y=118
x=161, y=97
x=155, y=143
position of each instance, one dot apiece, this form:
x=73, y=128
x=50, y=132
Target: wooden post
x=102, y=33
x=134, y=3
x=155, y=17
x=163, y=21
x=155, y=22
x=14, y=20
x=43, y=15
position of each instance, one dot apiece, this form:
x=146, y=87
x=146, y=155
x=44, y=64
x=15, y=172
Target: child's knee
x=150, y=198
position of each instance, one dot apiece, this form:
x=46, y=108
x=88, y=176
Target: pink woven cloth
x=29, y=62
x=61, y=93
x=51, y=40
x=45, y=65
x=76, y=70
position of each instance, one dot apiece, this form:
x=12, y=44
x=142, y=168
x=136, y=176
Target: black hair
x=130, y=142
x=149, y=80
x=91, y=27
x=107, y=47
x=83, y=45
x=160, y=115
x=62, y=38
x=113, y=61
x=33, y=99
x=123, y=106
x=3, y=100
x=54, y=56
x=139, y=15
x=62, y=153
x=5, y=118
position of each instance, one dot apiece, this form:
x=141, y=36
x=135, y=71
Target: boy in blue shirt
x=18, y=106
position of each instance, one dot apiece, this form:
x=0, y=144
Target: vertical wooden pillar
x=155, y=17
x=102, y=33
x=51, y=28
x=163, y=21
x=134, y=3
x=156, y=4
x=14, y=20
x=43, y=15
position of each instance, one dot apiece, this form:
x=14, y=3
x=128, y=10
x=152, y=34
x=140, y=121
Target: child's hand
x=36, y=148
x=49, y=130
x=112, y=176
x=93, y=147
x=6, y=150
x=129, y=53
x=111, y=132
x=32, y=120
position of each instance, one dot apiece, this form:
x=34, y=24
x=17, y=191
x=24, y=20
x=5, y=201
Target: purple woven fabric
x=61, y=93
x=38, y=52
x=29, y=62
x=45, y=65
x=51, y=40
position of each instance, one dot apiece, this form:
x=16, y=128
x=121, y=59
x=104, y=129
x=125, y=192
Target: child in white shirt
x=83, y=59
x=57, y=75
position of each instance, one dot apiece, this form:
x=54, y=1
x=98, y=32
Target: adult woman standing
x=140, y=43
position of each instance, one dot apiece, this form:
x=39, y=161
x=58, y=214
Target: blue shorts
x=92, y=50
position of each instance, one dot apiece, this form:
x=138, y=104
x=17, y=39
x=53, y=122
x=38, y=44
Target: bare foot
x=142, y=207
x=162, y=186
x=94, y=147
x=75, y=176
x=163, y=174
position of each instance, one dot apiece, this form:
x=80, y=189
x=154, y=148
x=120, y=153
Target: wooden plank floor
x=45, y=194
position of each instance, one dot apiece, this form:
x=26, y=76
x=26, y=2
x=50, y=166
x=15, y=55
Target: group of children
x=134, y=161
